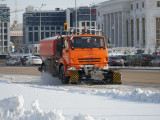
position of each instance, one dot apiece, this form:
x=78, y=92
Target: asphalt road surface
x=129, y=77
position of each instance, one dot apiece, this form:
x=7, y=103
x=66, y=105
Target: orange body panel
x=48, y=47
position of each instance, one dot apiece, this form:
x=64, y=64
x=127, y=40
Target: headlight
x=105, y=67
x=72, y=68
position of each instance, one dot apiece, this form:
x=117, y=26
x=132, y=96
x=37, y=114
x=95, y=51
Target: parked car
x=145, y=59
x=3, y=59
x=130, y=60
x=11, y=61
x=23, y=60
x=34, y=60
x=116, y=61
x=125, y=58
x=140, y=60
x=155, y=62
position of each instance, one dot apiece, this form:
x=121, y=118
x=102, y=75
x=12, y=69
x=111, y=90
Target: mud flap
x=74, y=78
x=116, y=78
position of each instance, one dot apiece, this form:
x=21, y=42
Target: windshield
x=87, y=42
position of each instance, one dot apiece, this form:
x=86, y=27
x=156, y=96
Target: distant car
x=155, y=62
x=23, y=60
x=140, y=60
x=11, y=61
x=34, y=60
x=116, y=61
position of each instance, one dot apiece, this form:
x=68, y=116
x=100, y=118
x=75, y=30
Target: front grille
x=88, y=60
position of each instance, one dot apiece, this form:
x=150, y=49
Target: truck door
x=66, y=51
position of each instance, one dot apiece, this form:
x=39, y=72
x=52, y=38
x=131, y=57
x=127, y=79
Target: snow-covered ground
x=44, y=98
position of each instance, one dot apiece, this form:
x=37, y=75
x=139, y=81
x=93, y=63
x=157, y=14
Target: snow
x=25, y=97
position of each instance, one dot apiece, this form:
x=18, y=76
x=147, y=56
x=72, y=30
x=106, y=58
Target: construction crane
x=16, y=16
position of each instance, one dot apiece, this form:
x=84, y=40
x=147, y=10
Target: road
x=143, y=78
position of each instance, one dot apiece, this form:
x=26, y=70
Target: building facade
x=4, y=29
x=86, y=17
x=38, y=25
x=16, y=37
x=130, y=23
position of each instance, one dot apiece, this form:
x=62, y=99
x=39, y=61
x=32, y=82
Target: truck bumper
x=104, y=77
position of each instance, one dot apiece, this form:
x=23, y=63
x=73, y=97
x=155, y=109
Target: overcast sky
x=51, y=5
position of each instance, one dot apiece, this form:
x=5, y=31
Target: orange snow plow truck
x=77, y=58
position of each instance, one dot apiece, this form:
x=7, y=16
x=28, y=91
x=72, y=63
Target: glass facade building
x=4, y=28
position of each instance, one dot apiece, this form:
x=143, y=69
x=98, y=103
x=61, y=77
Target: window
x=143, y=32
x=30, y=28
x=58, y=28
x=5, y=30
x=142, y=4
x=5, y=24
x=52, y=28
x=83, y=23
x=88, y=23
x=137, y=31
x=42, y=28
x=127, y=33
x=65, y=43
x=157, y=32
x=35, y=28
x=132, y=33
x=30, y=37
x=47, y=34
x=158, y=3
x=93, y=23
x=5, y=43
x=47, y=28
x=5, y=37
x=36, y=36
x=131, y=6
x=137, y=5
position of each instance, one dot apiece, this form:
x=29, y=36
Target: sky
x=50, y=5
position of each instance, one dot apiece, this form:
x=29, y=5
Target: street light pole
x=90, y=19
x=76, y=15
x=40, y=21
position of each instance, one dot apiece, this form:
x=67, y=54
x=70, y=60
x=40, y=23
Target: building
x=130, y=23
x=4, y=29
x=38, y=25
x=16, y=37
x=86, y=17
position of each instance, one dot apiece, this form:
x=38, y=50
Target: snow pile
x=134, y=95
x=83, y=117
x=13, y=109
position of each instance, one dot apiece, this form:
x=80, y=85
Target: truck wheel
x=64, y=80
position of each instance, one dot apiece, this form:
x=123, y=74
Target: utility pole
x=90, y=19
x=40, y=21
x=76, y=15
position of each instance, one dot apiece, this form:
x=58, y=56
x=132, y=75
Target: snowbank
x=13, y=109
x=137, y=95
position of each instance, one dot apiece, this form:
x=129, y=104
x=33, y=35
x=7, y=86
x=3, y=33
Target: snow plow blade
x=106, y=77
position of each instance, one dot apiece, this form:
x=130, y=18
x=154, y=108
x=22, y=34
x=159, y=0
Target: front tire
x=63, y=78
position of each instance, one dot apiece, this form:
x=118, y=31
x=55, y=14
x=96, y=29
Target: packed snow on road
x=25, y=97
